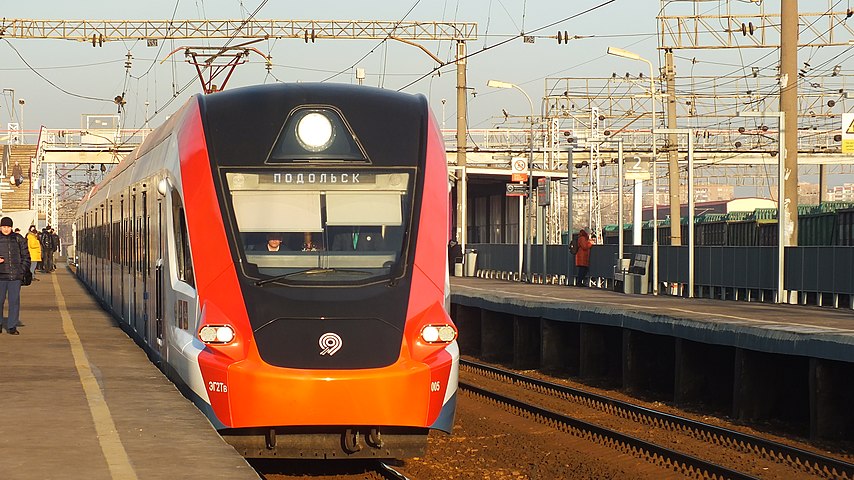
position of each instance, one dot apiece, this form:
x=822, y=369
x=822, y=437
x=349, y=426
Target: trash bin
x=471, y=262
x=458, y=267
x=620, y=270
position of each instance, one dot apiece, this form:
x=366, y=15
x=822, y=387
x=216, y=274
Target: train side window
x=182, y=248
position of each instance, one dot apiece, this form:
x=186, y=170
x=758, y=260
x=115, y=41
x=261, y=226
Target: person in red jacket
x=582, y=257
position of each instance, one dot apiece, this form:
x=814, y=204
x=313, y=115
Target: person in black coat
x=47, y=250
x=14, y=261
x=455, y=255
x=357, y=240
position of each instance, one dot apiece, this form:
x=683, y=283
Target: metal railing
x=820, y=275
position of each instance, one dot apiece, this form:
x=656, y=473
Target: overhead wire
x=514, y=37
x=397, y=24
x=177, y=92
x=50, y=82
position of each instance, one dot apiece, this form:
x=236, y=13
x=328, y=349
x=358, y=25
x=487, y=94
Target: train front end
x=326, y=333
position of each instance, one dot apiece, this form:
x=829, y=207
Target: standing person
x=455, y=252
x=582, y=258
x=14, y=261
x=35, y=247
x=54, y=237
x=47, y=247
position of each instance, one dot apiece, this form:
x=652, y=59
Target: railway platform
x=758, y=362
x=82, y=401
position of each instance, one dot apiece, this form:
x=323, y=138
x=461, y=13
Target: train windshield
x=329, y=227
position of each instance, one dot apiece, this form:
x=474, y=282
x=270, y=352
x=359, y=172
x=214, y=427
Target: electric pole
x=673, y=152
x=789, y=106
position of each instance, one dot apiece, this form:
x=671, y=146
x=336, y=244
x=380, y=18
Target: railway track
x=390, y=473
x=795, y=458
x=281, y=469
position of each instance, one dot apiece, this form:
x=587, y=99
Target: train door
x=144, y=268
x=159, y=291
x=182, y=298
x=102, y=264
x=110, y=257
x=134, y=254
x=122, y=257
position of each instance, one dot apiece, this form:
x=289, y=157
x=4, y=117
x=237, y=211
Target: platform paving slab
x=80, y=400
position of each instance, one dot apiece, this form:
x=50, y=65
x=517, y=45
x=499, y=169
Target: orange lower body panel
x=263, y=395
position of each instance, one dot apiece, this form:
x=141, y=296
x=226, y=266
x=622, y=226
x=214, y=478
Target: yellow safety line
x=111, y=444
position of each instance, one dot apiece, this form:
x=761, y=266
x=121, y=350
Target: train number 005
x=218, y=387
x=435, y=386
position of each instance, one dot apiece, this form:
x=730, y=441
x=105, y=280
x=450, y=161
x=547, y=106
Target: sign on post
x=518, y=170
x=543, y=195
x=637, y=168
x=14, y=139
x=848, y=133
x=517, y=190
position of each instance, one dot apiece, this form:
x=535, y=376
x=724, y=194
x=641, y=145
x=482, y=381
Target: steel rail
x=390, y=473
x=664, y=457
x=796, y=457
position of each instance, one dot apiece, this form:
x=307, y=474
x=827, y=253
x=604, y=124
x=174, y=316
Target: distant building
x=841, y=193
x=808, y=193
x=709, y=193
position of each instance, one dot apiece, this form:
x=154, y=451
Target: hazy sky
x=99, y=72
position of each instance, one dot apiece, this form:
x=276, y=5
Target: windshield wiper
x=310, y=271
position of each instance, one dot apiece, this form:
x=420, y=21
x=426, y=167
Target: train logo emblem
x=329, y=343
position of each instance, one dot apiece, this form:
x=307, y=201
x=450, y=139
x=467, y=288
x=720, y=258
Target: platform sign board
x=848, y=132
x=636, y=168
x=519, y=169
x=13, y=138
x=517, y=190
x=543, y=194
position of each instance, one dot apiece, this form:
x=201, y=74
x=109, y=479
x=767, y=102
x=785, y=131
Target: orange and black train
x=281, y=252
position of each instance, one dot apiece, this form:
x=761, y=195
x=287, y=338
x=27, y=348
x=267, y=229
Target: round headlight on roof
x=315, y=132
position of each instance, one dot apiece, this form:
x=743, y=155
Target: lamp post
x=619, y=52
x=12, y=114
x=781, y=194
x=22, y=102
x=689, y=133
x=498, y=84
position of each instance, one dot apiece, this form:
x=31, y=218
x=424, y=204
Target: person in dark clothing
x=582, y=258
x=274, y=243
x=357, y=241
x=455, y=255
x=14, y=261
x=48, y=248
x=54, y=237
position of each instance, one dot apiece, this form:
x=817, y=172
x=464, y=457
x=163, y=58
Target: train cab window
x=330, y=227
x=182, y=248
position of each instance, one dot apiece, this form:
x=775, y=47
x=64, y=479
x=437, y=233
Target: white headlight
x=224, y=334
x=314, y=131
x=207, y=334
x=438, y=334
x=216, y=334
x=430, y=334
x=447, y=333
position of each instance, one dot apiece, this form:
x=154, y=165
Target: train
x=280, y=252
x=825, y=224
